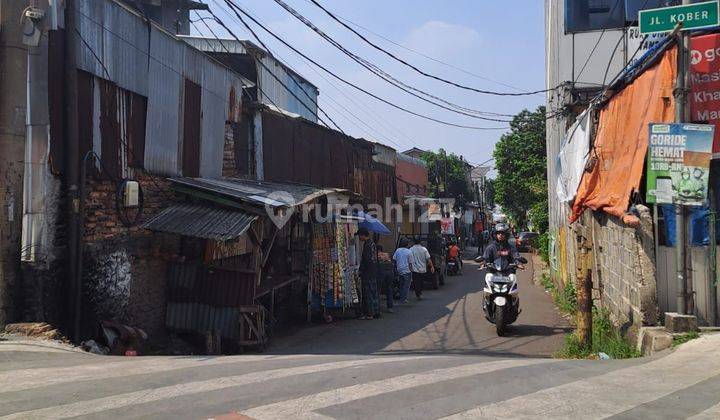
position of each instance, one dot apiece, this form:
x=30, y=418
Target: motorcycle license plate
x=500, y=301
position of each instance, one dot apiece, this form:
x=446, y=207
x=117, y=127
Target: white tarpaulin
x=573, y=156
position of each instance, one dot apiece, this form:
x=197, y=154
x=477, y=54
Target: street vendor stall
x=334, y=280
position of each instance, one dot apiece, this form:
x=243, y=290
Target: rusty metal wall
x=192, y=111
x=204, y=299
x=297, y=150
x=118, y=45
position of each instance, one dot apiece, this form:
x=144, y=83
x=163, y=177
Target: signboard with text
x=678, y=163
x=705, y=83
x=691, y=16
x=447, y=226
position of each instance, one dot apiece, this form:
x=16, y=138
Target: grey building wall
x=277, y=85
x=580, y=64
x=625, y=279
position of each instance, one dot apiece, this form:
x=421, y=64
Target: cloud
x=442, y=39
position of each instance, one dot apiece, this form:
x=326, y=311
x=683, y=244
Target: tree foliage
x=521, y=165
x=448, y=169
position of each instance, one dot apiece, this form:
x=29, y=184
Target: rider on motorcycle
x=501, y=246
x=454, y=254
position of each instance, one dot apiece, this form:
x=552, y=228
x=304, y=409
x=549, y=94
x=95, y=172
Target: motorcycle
x=453, y=267
x=501, y=303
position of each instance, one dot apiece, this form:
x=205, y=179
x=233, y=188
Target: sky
x=501, y=42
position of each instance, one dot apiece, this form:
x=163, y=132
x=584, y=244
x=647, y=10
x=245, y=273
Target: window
x=590, y=15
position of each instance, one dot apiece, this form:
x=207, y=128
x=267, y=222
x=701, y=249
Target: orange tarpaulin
x=622, y=139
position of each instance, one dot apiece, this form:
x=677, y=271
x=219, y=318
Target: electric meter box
x=132, y=193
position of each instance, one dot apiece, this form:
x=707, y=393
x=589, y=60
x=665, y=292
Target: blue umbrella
x=372, y=224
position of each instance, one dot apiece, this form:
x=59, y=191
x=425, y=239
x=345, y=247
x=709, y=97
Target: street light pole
x=681, y=88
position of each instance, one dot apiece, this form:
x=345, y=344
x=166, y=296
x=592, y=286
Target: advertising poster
x=705, y=83
x=447, y=226
x=678, y=163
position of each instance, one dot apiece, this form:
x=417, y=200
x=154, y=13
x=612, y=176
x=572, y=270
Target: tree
x=521, y=165
x=448, y=171
x=489, y=192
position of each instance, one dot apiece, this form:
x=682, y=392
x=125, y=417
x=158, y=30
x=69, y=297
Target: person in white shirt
x=403, y=264
x=420, y=263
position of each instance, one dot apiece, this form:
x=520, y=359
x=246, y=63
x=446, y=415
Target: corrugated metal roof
x=201, y=221
x=260, y=193
x=208, y=44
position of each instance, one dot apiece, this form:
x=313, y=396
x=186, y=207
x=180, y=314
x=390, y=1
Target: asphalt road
x=447, y=321
x=434, y=359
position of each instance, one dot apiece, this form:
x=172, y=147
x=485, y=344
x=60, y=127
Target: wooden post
x=584, y=287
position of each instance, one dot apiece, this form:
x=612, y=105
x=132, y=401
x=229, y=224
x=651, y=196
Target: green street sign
x=692, y=16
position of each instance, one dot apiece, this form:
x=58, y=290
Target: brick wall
x=125, y=268
x=624, y=275
x=229, y=168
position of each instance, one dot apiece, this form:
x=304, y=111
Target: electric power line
x=396, y=58
x=277, y=57
x=283, y=85
x=444, y=63
x=378, y=119
x=238, y=10
x=387, y=77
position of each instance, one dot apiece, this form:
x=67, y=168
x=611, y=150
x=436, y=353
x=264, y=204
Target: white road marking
x=303, y=407
x=98, y=405
x=712, y=413
x=612, y=393
x=23, y=379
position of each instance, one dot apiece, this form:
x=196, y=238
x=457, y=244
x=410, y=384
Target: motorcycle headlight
x=500, y=287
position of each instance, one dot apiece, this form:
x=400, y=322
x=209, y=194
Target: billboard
x=705, y=83
x=678, y=163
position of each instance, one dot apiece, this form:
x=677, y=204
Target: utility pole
x=445, y=187
x=72, y=168
x=584, y=282
x=13, y=84
x=680, y=93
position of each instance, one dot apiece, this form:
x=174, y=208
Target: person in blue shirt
x=403, y=263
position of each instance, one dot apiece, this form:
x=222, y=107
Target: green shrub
x=543, y=246
x=605, y=339
x=566, y=298
x=684, y=338
x=547, y=282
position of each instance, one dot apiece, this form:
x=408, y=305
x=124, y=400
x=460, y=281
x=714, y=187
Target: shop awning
x=201, y=221
x=258, y=193
x=622, y=139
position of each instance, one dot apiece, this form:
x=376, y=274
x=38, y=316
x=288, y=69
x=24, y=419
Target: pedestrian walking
x=386, y=277
x=368, y=276
x=420, y=263
x=403, y=263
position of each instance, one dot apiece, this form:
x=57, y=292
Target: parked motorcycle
x=501, y=303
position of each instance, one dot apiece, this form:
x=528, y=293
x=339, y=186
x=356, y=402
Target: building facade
x=589, y=46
